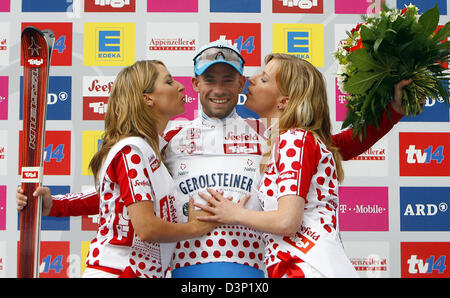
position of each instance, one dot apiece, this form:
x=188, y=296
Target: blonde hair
x=128, y=114
x=307, y=107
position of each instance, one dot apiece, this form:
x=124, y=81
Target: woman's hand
x=397, y=104
x=223, y=209
x=47, y=202
x=194, y=216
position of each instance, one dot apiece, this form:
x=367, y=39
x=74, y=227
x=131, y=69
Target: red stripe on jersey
x=129, y=180
x=300, y=170
x=171, y=133
x=309, y=160
x=168, y=136
x=118, y=173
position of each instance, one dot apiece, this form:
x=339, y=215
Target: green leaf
x=443, y=91
x=377, y=44
x=404, y=46
x=363, y=61
x=373, y=110
x=361, y=82
x=429, y=20
x=347, y=122
x=367, y=33
x=444, y=45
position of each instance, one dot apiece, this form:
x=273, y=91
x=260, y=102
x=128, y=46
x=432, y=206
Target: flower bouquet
x=384, y=49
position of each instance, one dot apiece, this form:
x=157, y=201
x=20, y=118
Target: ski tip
x=48, y=33
x=32, y=30
x=50, y=38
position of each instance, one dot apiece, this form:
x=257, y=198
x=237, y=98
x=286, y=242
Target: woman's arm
x=350, y=146
x=298, y=155
x=151, y=228
x=126, y=169
x=72, y=204
x=284, y=221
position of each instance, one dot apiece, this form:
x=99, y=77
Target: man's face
x=219, y=88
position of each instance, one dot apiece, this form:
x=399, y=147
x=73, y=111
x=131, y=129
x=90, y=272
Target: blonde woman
x=300, y=175
x=138, y=207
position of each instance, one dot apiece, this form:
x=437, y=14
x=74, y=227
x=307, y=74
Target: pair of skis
x=37, y=48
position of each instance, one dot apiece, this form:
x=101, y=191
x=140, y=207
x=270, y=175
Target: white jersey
x=132, y=173
x=223, y=155
x=301, y=165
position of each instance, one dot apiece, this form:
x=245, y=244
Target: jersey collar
x=219, y=120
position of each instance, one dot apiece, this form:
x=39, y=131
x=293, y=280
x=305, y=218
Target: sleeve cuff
x=396, y=117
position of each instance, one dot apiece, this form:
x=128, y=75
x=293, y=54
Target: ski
x=36, y=47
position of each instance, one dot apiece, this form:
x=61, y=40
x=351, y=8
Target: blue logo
x=216, y=180
x=424, y=208
x=109, y=41
x=424, y=5
x=109, y=44
x=245, y=45
x=298, y=42
x=47, y=6
x=50, y=223
x=59, y=100
x=434, y=111
x=56, y=153
x=431, y=265
x=235, y=6
x=429, y=155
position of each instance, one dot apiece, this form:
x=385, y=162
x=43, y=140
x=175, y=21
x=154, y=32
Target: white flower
x=340, y=74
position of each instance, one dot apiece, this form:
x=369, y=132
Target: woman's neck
x=161, y=125
x=271, y=118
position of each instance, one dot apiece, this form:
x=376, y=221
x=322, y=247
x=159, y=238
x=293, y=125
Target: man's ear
x=148, y=99
x=242, y=81
x=195, y=81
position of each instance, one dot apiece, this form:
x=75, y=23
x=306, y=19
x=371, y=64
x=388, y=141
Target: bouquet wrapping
x=384, y=49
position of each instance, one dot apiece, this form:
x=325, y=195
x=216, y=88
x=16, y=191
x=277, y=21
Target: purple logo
x=5, y=6
x=172, y=6
x=2, y=207
x=341, y=110
x=3, y=98
x=363, y=208
x=191, y=99
x=357, y=6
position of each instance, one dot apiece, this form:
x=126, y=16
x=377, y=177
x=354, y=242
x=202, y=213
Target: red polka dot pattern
x=228, y=243
x=301, y=165
x=127, y=181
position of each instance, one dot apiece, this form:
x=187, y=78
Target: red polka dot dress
x=302, y=165
x=117, y=248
